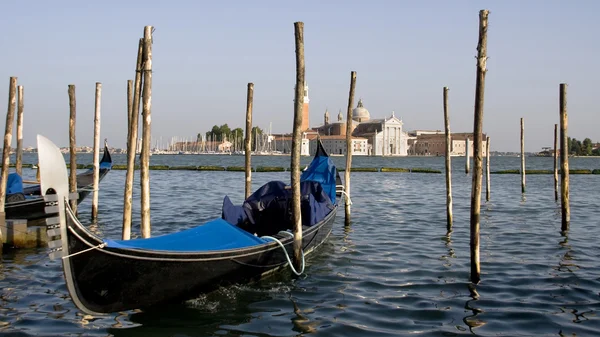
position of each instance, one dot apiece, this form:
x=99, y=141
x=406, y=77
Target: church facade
x=370, y=137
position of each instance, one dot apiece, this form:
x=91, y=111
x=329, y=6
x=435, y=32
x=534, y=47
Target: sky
x=206, y=52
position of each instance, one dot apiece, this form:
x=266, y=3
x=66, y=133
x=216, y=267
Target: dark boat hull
x=112, y=279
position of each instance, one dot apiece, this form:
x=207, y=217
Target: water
x=395, y=271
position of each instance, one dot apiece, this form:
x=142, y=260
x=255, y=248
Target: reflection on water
x=395, y=270
x=472, y=321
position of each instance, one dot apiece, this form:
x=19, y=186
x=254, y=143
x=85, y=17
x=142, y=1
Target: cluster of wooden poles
x=475, y=274
x=141, y=89
x=10, y=115
x=15, y=99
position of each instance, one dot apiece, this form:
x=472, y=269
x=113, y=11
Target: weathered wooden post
x=20, y=106
x=129, y=108
x=96, y=164
x=146, y=134
x=10, y=114
x=564, y=159
x=296, y=139
x=248, y=139
x=467, y=155
x=487, y=170
x=349, y=147
x=72, y=145
x=448, y=161
x=132, y=145
x=477, y=145
x=555, y=156
x=522, y=156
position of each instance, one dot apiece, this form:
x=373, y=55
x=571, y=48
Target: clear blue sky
x=205, y=53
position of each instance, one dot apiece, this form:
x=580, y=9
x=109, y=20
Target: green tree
x=256, y=135
x=237, y=133
x=586, y=147
x=575, y=148
x=237, y=137
x=256, y=130
x=224, y=131
x=214, y=134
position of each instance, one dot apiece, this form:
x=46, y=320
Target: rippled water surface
x=395, y=271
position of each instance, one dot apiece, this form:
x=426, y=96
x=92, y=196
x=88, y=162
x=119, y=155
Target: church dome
x=360, y=113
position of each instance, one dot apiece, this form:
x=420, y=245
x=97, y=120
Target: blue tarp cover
x=14, y=184
x=217, y=234
x=322, y=170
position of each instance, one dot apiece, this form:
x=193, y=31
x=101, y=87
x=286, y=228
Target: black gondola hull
x=112, y=279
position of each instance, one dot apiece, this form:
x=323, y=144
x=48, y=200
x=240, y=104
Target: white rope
x=85, y=189
x=348, y=201
x=286, y=254
x=100, y=246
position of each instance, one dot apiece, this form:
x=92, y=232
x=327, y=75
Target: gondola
x=244, y=245
x=27, y=203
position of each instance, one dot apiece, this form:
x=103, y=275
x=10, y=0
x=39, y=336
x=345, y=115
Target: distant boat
x=27, y=203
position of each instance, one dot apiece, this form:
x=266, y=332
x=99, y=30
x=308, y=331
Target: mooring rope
x=100, y=246
x=91, y=189
x=286, y=253
x=348, y=201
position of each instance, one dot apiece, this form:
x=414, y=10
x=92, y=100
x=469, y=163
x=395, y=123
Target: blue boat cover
x=269, y=210
x=322, y=170
x=14, y=184
x=217, y=234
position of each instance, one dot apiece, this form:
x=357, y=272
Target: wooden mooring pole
x=349, y=147
x=448, y=161
x=488, y=188
x=477, y=145
x=129, y=108
x=20, y=107
x=96, y=163
x=146, y=134
x=72, y=145
x=296, y=144
x=555, y=156
x=248, y=140
x=564, y=160
x=522, y=156
x=467, y=155
x=132, y=145
x=10, y=114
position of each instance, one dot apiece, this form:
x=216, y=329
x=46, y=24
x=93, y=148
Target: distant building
x=433, y=143
x=334, y=145
x=383, y=137
x=370, y=137
x=305, y=109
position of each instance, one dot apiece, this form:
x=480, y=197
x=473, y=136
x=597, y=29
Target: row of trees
x=220, y=133
x=235, y=136
x=579, y=148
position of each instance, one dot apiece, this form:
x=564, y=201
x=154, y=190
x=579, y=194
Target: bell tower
x=305, y=116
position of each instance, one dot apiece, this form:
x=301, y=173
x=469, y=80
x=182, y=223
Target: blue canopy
x=14, y=184
x=217, y=234
x=322, y=170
